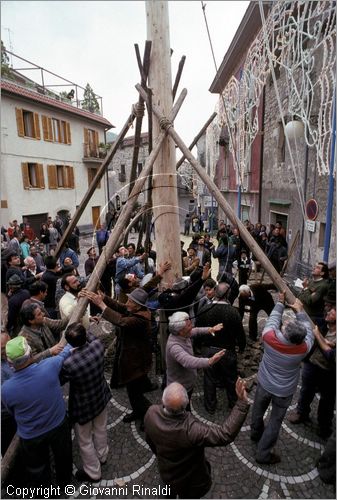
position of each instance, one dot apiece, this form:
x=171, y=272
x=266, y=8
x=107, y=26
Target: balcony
x=91, y=153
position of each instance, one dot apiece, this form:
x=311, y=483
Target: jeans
x=316, y=379
x=36, y=455
x=267, y=435
x=222, y=374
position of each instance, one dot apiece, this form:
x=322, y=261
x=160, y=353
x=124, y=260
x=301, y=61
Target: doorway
x=96, y=219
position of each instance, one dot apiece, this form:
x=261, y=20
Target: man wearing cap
x=258, y=299
x=16, y=297
x=314, y=291
x=133, y=352
x=284, y=348
x=14, y=266
x=33, y=395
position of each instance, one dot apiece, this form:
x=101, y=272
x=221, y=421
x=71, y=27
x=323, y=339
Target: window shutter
x=19, y=122
x=45, y=127
x=70, y=177
x=86, y=136
x=25, y=175
x=52, y=177
x=40, y=176
x=96, y=138
x=50, y=130
x=68, y=140
x=37, y=126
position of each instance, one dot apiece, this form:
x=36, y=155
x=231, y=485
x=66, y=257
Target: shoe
x=82, y=476
x=273, y=459
x=297, y=418
x=255, y=438
x=130, y=417
x=152, y=387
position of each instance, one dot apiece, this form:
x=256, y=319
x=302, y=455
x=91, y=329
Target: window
x=91, y=143
x=60, y=176
x=27, y=123
x=55, y=130
x=281, y=146
x=91, y=175
x=140, y=168
x=122, y=174
x=32, y=176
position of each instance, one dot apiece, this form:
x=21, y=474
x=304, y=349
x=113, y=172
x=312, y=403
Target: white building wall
x=16, y=150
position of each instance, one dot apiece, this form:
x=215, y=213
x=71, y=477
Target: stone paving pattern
x=234, y=471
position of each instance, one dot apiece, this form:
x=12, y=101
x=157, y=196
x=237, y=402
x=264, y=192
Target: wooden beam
x=9, y=457
x=244, y=233
x=178, y=76
x=196, y=138
x=91, y=189
x=164, y=184
x=118, y=231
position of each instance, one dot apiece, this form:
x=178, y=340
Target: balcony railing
x=90, y=151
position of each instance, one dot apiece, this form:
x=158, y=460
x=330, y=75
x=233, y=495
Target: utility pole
x=164, y=185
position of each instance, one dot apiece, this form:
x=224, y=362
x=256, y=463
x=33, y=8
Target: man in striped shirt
x=284, y=348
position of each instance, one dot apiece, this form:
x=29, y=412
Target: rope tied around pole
x=139, y=109
x=165, y=123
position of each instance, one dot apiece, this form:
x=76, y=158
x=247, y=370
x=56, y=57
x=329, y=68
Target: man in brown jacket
x=179, y=440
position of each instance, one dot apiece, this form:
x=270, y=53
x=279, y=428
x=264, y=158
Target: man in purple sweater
x=33, y=396
x=284, y=348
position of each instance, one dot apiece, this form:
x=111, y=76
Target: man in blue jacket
x=33, y=396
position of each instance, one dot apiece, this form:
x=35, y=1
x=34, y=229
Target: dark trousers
x=36, y=455
x=135, y=389
x=316, y=379
x=222, y=374
x=267, y=435
x=8, y=430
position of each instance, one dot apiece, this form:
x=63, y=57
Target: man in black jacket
x=224, y=373
x=258, y=299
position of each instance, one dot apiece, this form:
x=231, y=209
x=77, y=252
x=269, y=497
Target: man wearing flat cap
x=16, y=297
x=133, y=352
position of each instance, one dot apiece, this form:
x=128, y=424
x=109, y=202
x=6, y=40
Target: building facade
x=268, y=85
x=50, y=154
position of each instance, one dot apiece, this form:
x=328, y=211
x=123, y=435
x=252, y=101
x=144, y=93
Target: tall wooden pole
x=164, y=186
x=244, y=233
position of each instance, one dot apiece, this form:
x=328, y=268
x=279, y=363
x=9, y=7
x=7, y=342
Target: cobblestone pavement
x=234, y=470
x=131, y=470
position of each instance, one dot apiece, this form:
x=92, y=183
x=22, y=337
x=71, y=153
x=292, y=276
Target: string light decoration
x=298, y=39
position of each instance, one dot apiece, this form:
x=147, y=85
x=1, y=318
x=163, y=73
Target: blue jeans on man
x=266, y=436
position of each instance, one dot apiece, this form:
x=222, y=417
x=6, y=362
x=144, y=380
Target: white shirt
x=67, y=305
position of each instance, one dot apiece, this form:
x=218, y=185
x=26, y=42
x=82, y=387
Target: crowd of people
x=198, y=317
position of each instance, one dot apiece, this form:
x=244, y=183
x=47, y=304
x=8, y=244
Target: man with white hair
x=258, y=299
x=179, y=439
x=33, y=396
x=181, y=364
x=284, y=348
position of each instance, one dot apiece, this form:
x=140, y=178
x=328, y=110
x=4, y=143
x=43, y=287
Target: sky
x=93, y=42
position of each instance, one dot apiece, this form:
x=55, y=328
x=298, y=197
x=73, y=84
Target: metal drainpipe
x=327, y=236
x=261, y=157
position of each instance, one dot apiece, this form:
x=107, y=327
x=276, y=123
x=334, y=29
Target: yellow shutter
x=86, y=136
x=19, y=122
x=25, y=175
x=70, y=177
x=40, y=176
x=37, y=126
x=52, y=177
x=96, y=138
x=68, y=141
x=50, y=130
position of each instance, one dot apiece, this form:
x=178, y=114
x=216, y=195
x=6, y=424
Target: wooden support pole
x=118, y=231
x=91, y=189
x=244, y=233
x=9, y=457
x=178, y=76
x=164, y=185
x=196, y=138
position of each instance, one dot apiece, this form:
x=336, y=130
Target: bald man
x=179, y=440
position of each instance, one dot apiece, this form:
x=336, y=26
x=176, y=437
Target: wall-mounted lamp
x=294, y=129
